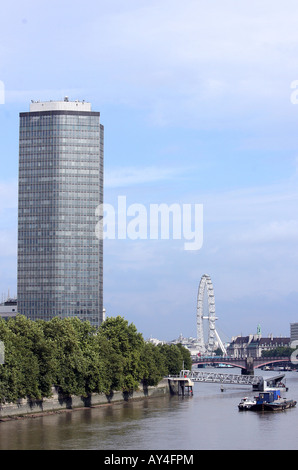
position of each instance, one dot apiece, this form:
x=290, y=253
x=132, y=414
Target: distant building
x=8, y=309
x=294, y=332
x=253, y=345
x=189, y=343
x=155, y=341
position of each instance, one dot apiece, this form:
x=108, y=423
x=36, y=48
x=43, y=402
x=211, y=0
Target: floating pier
x=180, y=386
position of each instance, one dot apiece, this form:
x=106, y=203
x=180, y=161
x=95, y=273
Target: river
x=208, y=420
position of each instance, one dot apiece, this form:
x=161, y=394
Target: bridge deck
x=217, y=377
x=240, y=361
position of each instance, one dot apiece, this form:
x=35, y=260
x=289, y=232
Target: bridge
x=218, y=377
x=247, y=364
x=183, y=384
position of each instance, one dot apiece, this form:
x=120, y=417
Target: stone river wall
x=57, y=403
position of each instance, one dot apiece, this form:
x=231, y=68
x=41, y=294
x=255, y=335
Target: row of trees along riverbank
x=80, y=359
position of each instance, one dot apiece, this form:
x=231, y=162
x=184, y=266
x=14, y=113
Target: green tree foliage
x=280, y=351
x=186, y=356
x=27, y=366
x=175, y=357
x=126, y=344
x=80, y=359
x=154, y=364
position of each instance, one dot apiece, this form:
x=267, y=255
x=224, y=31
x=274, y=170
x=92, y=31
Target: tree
x=280, y=351
x=154, y=366
x=218, y=352
x=65, y=336
x=79, y=359
x=125, y=346
x=24, y=372
x=186, y=356
x=173, y=358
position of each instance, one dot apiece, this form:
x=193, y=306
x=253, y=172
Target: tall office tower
x=60, y=258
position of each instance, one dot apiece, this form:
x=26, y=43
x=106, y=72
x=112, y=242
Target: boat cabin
x=268, y=397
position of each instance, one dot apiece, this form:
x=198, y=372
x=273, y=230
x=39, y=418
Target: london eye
x=206, y=345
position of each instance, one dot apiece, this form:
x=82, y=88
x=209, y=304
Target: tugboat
x=269, y=401
x=246, y=403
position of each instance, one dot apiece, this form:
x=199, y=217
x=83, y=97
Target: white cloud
x=224, y=65
x=281, y=231
x=127, y=176
x=183, y=64
x=204, y=65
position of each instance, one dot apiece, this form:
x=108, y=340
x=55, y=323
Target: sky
x=199, y=104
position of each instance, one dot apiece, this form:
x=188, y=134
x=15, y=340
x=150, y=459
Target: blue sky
x=196, y=103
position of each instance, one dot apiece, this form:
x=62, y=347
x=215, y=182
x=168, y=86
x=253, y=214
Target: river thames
x=209, y=420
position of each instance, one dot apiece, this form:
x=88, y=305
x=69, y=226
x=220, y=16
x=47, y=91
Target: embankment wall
x=58, y=402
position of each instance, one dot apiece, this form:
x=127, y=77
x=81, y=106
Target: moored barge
x=270, y=401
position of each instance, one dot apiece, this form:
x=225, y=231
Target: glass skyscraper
x=60, y=258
